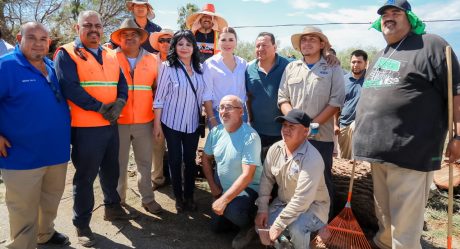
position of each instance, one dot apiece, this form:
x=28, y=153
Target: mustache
x=93, y=32
x=389, y=21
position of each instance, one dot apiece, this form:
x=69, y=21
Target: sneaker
x=58, y=239
x=116, y=212
x=190, y=204
x=152, y=207
x=243, y=238
x=86, y=237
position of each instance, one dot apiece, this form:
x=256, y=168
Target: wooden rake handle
x=450, y=208
x=352, y=179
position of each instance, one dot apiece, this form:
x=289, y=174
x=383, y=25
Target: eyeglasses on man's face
x=229, y=108
x=164, y=40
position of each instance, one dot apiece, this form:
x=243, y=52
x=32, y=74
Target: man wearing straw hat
x=302, y=204
x=160, y=41
x=143, y=12
x=318, y=89
x=206, y=26
x=136, y=119
x=401, y=122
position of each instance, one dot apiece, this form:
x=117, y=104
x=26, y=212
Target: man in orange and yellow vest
x=96, y=90
x=206, y=26
x=135, y=123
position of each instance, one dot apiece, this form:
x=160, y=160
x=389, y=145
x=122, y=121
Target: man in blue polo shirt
x=34, y=140
x=353, y=83
x=263, y=77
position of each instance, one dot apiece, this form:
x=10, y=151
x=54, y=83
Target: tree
x=184, y=12
x=290, y=52
x=246, y=50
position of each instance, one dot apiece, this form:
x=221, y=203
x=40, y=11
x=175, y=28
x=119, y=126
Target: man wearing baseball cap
x=401, y=122
x=302, y=204
x=311, y=85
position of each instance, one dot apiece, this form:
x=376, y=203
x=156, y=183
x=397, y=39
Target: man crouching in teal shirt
x=34, y=140
x=236, y=148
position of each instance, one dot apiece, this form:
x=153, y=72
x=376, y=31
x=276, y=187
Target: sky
x=275, y=12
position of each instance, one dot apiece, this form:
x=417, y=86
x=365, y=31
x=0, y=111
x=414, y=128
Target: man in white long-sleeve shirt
x=302, y=205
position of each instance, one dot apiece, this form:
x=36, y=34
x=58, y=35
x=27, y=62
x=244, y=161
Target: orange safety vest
x=99, y=81
x=138, y=108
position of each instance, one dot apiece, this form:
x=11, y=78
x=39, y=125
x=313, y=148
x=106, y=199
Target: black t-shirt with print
x=205, y=44
x=401, y=117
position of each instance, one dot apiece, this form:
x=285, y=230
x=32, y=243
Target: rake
x=343, y=232
x=450, y=128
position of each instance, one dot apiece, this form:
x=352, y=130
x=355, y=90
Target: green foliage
x=246, y=50
x=290, y=52
x=184, y=12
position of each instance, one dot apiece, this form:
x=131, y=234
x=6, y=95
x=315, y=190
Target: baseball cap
x=295, y=116
x=400, y=4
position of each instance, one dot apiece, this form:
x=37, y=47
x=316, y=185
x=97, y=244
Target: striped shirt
x=175, y=96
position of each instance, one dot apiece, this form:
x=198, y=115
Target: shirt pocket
x=294, y=169
x=294, y=80
x=321, y=85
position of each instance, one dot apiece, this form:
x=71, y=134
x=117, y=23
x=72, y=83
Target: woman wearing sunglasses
x=225, y=75
x=178, y=102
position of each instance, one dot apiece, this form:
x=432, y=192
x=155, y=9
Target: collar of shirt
x=321, y=62
x=98, y=56
x=150, y=26
x=300, y=151
x=277, y=62
x=22, y=60
x=350, y=77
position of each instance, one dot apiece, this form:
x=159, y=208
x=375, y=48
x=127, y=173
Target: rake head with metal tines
x=343, y=232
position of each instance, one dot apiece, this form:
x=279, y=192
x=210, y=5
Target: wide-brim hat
x=309, y=30
x=151, y=13
x=153, y=39
x=129, y=24
x=209, y=10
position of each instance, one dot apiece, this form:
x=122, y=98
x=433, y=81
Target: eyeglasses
x=163, y=40
x=228, y=108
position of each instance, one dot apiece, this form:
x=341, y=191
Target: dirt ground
x=189, y=230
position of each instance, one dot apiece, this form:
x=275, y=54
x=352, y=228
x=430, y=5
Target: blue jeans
x=240, y=212
x=299, y=230
x=181, y=145
x=94, y=151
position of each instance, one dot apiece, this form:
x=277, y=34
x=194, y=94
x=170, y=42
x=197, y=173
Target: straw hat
x=153, y=39
x=129, y=24
x=150, y=15
x=309, y=30
x=208, y=9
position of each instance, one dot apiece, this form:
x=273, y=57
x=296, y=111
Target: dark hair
x=228, y=30
x=173, y=58
x=272, y=37
x=358, y=53
x=332, y=51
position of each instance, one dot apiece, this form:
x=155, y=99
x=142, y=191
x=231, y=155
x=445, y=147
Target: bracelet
x=213, y=117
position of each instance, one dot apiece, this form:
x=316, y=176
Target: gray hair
x=234, y=97
x=87, y=13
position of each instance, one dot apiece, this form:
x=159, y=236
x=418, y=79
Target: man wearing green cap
x=403, y=102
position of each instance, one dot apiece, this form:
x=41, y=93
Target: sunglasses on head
x=163, y=40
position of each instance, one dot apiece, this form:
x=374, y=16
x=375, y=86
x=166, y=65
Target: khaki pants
x=141, y=137
x=400, y=198
x=346, y=142
x=157, y=161
x=32, y=198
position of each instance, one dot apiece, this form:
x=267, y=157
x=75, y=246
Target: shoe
x=86, y=237
x=58, y=239
x=243, y=238
x=156, y=186
x=179, y=205
x=190, y=205
x=116, y=212
x=152, y=207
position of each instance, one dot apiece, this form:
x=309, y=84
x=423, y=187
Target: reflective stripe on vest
x=138, y=108
x=99, y=81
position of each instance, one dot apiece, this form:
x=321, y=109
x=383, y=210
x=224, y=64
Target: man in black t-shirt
x=401, y=122
x=206, y=26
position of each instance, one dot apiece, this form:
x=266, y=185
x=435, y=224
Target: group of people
x=149, y=86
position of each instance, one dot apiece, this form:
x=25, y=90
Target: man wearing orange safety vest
x=135, y=123
x=96, y=90
x=206, y=26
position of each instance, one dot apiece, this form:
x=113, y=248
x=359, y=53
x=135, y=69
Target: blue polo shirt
x=352, y=93
x=263, y=91
x=34, y=115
